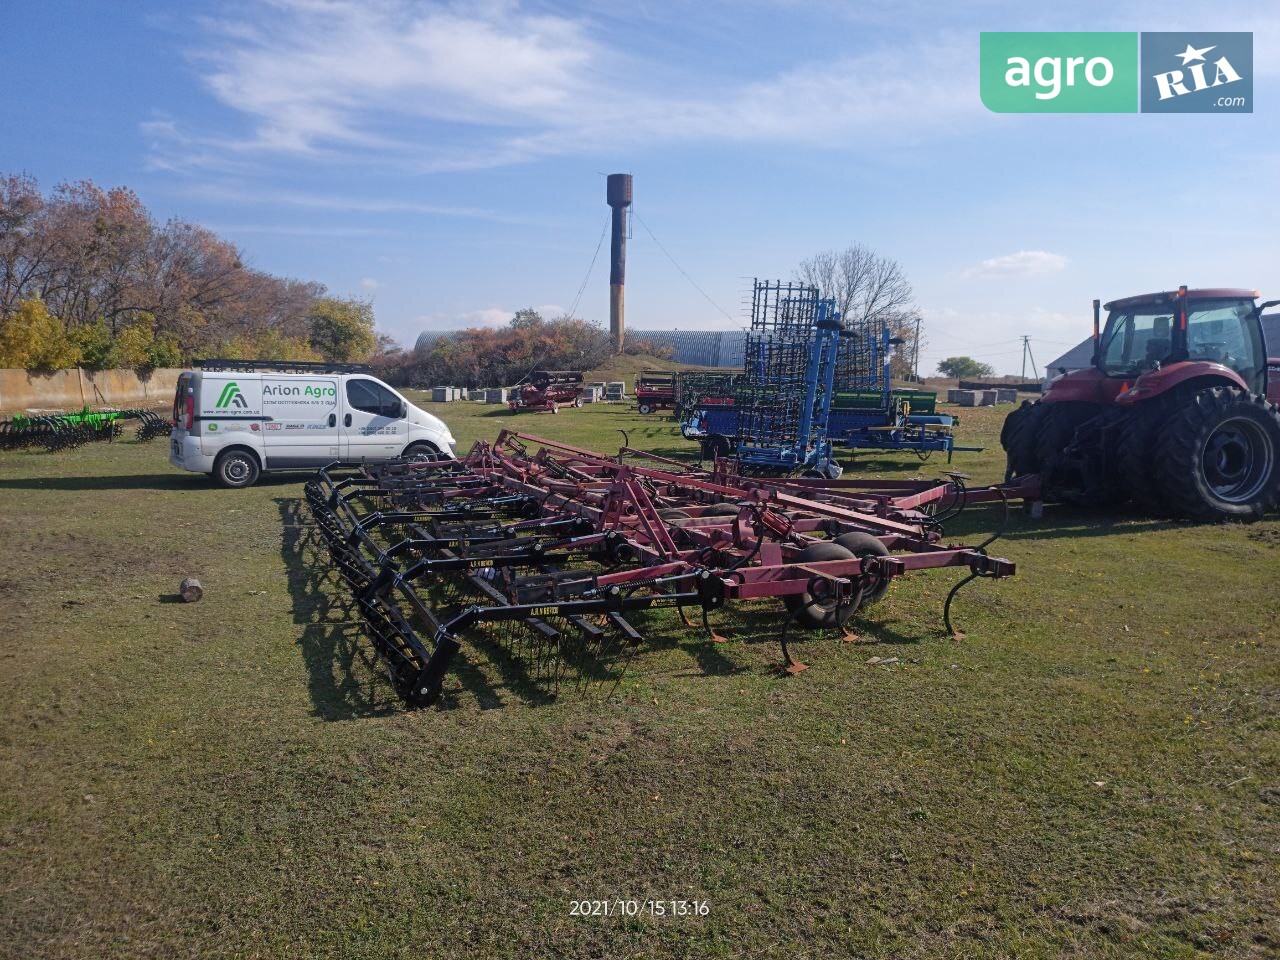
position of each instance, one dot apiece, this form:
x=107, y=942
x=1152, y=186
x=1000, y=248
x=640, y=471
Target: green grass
x=1091, y=772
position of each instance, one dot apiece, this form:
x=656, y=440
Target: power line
x=704, y=293
x=600, y=243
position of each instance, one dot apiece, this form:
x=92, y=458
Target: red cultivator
x=546, y=548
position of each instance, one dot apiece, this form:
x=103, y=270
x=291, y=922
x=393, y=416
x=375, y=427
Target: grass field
x=1092, y=772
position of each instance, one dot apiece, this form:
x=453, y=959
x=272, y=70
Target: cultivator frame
x=547, y=548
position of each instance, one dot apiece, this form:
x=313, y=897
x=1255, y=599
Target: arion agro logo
x=231, y=397
x=1099, y=72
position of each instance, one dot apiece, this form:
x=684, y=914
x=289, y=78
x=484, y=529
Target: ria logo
x=1171, y=84
x=1197, y=73
x=231, y=397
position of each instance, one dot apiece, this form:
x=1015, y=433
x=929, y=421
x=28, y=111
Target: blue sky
x=446, y=160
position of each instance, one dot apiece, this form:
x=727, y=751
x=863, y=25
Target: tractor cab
x=1207, y=328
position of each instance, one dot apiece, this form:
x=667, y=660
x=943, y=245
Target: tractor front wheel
x=1134, y=450
x=645, y=408
x=1018, y=437
x=1064, y=475
x=1218, y=457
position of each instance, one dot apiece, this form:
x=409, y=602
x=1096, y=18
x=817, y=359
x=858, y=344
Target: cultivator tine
x=539, y=551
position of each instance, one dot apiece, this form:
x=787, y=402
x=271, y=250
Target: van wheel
x=236, y=468
x=421, y=451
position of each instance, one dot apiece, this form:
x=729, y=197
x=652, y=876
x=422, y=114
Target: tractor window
x=1226, y=332
x=370, y=397
x=1136, y=341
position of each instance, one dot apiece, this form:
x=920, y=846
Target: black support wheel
x=813, y=611
x=866, y=545
x=1217, y=457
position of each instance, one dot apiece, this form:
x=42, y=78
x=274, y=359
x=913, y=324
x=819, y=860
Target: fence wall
x=72, y=389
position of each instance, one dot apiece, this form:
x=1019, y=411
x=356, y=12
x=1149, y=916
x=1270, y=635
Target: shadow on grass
x=345, y=677
x=975, y=523
x=136, y=481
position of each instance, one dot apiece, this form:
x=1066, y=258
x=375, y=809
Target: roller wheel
x=814, y=613
x=865, y=545
x=1216, y=458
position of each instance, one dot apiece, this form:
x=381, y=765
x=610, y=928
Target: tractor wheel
x=1218, y=457
x=645, y=408
x=811, y=612
x=577, y=403
x=1056, y=429
x=1135, y=446
x=1018, y=437
x=715, y=446
x=865, y=545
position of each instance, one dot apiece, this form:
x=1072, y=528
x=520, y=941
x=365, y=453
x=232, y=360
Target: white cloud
x=369, y=283
x=1022, y=263
x=437, y=87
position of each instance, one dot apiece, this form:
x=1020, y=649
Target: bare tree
x=871, y=292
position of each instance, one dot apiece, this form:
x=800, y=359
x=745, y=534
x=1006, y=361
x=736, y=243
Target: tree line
x=89, y=278
x=493, y=356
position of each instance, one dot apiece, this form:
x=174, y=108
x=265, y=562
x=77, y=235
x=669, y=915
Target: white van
x=234, y=419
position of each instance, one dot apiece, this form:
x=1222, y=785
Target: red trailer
x=655, y=390
x=549, y=390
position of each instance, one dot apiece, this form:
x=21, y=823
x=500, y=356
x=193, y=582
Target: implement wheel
x=815, y=613
x=1217, y=457
x=866, y=545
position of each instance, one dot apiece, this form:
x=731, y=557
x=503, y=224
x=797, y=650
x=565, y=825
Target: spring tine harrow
x=64, y=431
x=543, y=554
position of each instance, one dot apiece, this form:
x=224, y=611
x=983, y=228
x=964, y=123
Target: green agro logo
x=231, y=397
x=1059, y=72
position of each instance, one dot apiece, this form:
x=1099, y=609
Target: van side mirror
x=402, y=410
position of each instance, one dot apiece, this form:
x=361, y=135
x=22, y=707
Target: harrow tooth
x=539, y=550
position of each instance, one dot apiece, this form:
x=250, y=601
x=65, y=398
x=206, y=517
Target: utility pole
x=1026, y=352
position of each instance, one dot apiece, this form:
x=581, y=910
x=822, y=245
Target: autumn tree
x=341, y=331
x=32, y=338
x=962, y=367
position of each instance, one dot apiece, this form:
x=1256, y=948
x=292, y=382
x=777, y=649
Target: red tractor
x=549, y=390
x=1177, y=412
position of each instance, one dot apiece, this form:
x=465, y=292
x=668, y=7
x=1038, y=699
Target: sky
x=447, y=160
